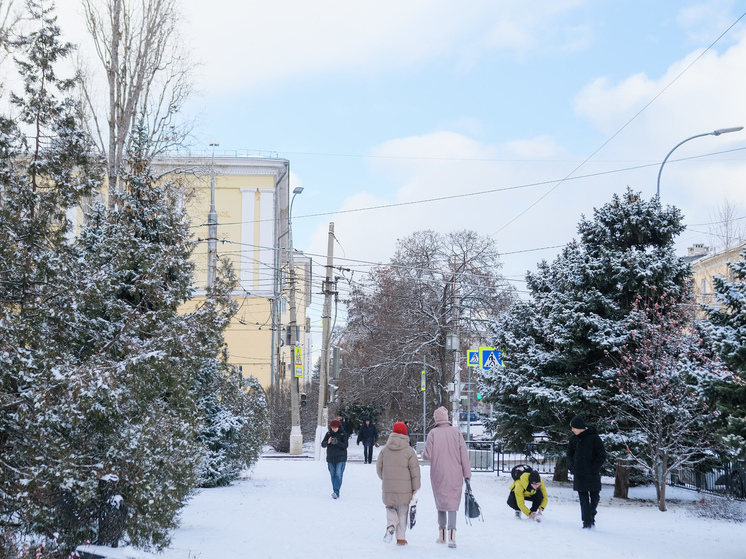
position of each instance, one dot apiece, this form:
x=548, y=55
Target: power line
x=488, y=191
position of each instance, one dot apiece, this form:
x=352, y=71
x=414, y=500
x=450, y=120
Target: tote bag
x=471, y=507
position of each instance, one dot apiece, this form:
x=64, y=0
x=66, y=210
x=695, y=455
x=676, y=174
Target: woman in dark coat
x=368, y=435
x=585, y=459
x=335, y=443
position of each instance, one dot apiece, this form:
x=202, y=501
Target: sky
x=283, y=509
x=513, y=118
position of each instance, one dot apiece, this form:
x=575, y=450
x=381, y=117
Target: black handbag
x=471, y=507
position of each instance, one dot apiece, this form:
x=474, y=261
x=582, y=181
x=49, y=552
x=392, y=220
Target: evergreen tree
x=728, y=335
x=235, y=422
x=46, y=168
x=555, y=343
x=144, y=418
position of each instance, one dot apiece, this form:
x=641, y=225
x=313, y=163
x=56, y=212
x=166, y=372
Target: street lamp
x=713, y=133
x=296, y=436
x=212, y=225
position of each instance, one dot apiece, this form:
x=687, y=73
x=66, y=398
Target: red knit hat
x=400, y=428
x=335, y=423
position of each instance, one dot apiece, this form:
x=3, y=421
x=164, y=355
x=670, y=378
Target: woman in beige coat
x=398, y=467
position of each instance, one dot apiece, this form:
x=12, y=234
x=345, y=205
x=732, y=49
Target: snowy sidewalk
x=283, y=509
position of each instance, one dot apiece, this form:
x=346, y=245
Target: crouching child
x=528, y=488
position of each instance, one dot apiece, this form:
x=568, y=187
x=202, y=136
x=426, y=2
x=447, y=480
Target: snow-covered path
x=284, y=509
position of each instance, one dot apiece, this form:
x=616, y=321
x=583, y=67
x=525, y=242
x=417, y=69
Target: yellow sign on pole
x=298, y=358
x=422, y=382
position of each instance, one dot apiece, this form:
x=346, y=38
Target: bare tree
x=400, y=316
x=8, y=21
x=726, y=230
x=660, y=390
x=148, y=77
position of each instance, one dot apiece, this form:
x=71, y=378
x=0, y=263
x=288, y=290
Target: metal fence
x=489, y=457
x=717, y=480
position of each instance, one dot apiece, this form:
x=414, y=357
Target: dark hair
x=534, y=477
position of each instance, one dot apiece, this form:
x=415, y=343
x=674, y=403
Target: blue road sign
x=491, y=357
x=473, y=358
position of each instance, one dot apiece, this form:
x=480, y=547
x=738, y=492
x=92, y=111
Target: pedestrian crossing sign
x=490, y=357
x=473, y=358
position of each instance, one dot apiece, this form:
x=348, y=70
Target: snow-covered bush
x=235, y=422
x=721, y=508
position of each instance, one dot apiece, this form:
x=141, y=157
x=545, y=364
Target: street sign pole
x=424, y=399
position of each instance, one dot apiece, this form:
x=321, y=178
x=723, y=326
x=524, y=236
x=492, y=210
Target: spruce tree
x=556, y=343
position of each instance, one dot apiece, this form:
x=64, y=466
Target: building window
x=704, y=286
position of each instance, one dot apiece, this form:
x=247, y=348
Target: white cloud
x=448, y=167
x=705, y=21
x=266, y=41
x=448, y=164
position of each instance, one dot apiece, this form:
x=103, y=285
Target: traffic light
x=479, y=395
x=336, y=362
x=303, y=399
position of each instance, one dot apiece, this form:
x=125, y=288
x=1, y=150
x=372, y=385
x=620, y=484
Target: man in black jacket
x=368, y=435
x=585, y=458
x=335, y=443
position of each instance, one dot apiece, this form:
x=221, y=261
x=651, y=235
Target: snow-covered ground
x=284, y=509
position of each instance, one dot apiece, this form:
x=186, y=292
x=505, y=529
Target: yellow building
x=251, y=196
x=706, y=265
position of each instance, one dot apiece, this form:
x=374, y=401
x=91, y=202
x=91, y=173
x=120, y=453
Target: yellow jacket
x=523, y=490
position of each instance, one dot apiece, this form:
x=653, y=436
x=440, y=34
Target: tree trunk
x=560, y=470
x=621, y=480
x=662, y=492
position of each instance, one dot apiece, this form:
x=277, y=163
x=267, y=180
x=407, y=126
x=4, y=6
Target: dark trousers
x=535, y=500
x=368, y=453
x=588, y=505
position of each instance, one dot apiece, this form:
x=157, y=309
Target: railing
x=717, y=480
x=487, y=456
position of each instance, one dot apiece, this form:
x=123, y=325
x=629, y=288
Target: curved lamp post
x=713, y=133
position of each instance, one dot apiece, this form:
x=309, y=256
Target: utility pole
x=296, y=436
x=455, y=345
x=424, y=397
x=212, y=225
x=276, y=360
x=326, y=320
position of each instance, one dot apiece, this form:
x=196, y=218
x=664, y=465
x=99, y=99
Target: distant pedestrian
x=528, y=487
x=397, y=465
x=412, y=439
x=335, y=443
x=585, y=459
x=368, y=435
x=449, y=466
x=347, y=426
